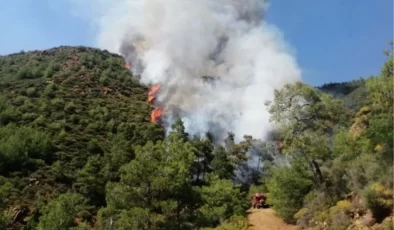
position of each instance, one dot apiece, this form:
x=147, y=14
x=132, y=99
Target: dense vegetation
x=77, y=151
x=340, y=165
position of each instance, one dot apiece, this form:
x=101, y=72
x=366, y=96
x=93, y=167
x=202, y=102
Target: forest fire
x=157, y=113
x=127, y=65
x=152, y=93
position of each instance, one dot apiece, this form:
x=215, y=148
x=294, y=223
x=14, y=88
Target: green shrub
x=379, y=199
x=51, y=69
x=56, y=126
x=40, y=120
x=20, y=100
x=60, y=213
x=341, y=206
x=94, y=147
x=287, y=188
x=388, y=223
x=339, y=221
x=233, y=223
x=19, y=147
x=50, y=90
x=57, y=115
x=9, y=115
x=70, y=108
x=31, y=92
x=29, y=73
x=5, y=219
x=58, y=103
x=29, y=117
x=300, y=213
x=104, y=78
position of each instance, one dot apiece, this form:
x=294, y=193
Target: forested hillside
x=71, y=123
x=78, y=151
x=352, y=93
x=340, y=150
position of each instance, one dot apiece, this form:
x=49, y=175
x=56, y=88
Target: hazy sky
x=335, y=40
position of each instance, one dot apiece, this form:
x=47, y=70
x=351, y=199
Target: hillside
x=353, y=93
x=341, y=147
x=58, y=107
x=78, y=151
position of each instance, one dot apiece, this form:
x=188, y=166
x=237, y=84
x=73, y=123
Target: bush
x=26, y=73
x=339, y=221
x=49, y=90
x=337, y=217
x=20, y=100
x=40, y=120
x=316, y=209
x=136, y=218
x=301, y=213
x=221, y=200
x=9, y=115
x=104, y=79
x=287, y=188
x=70, y=108
x=58, y=103
x=341, y=206
x=19, y=147
x=56, y=126
x=379, y=199
x=5, y=220
x=233, y=223
x=60, y=212
x=51, y=69
x=94, y=147
x=388, y=224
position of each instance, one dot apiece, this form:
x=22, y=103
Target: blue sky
x=335, y=40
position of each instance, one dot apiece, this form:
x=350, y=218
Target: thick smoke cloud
x=176, y=42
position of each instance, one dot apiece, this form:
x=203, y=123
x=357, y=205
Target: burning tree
x=157, y=112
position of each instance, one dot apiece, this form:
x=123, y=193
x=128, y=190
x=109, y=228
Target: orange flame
x=156, y=114
x=127, y=65
x=152, y=93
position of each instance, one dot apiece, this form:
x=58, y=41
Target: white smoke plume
x=176, y=42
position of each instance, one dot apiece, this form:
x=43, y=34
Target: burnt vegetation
x=78, y=151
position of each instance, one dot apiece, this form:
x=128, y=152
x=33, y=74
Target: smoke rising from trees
x=175, y=42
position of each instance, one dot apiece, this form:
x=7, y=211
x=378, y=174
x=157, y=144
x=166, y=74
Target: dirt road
x=266, y=219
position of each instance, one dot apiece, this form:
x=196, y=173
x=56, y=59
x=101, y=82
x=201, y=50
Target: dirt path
x=266, y=219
